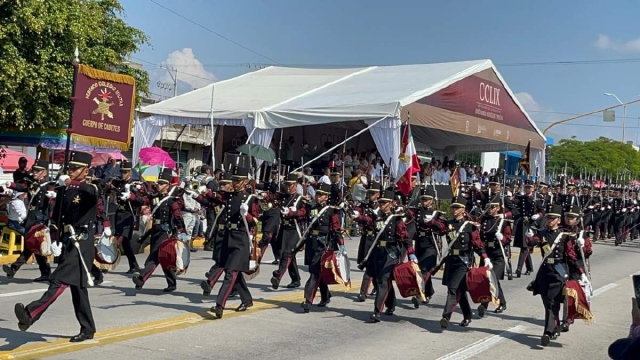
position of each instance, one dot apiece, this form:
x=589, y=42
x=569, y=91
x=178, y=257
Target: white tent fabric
x=280, y=97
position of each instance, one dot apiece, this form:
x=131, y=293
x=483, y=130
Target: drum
x=409, y=280
x=482, y=286
x=578, y=296
x=38, y=240
x=254, y=260
x=335, y=269
x=175, y=255
x=107, y=253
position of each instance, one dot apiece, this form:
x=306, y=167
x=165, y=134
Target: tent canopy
x=454, y=107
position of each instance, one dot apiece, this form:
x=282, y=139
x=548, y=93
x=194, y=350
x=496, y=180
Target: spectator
x=21, y=172
x=326, y=178
x=17, y=212
x=628, y=348
x=110, y=170
x=287, y=151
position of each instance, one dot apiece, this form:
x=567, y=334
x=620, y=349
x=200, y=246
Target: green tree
x=37, y=41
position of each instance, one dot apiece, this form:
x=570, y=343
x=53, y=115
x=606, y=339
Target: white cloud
x=191, y=72
x=528, y=102
x=605, y=43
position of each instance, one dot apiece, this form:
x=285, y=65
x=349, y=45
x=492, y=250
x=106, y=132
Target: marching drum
x=578, y=297
x=107, y=252
x=409, y=280
x=254, y=261
x=174, y=254
x=38, y=240
x=482, y=286
x=335, y=269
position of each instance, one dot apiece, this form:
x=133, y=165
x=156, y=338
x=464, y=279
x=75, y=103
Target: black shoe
x=426, y=301
x=206, y=288
x=375, y=318
x=137, y=280
x=131, y=271
x=527, y=273
x=306, y=306
x=169, y=289
x=324, y=303
x=555, y=335
x=46, y=278
x=294, y=285
x=275, y=262
x=275, y=283
x=193, y=250
x=545, y=340
x=360, y=298
x=81, y=337
x=481, y=311
x=465, y=322
x=24, y=320
x=389, y=311
x=444, y=323
x=564, y=326
x=373, y=292
x=518, y=274
x=11, y=272
x=104, y=271
x=218, y=311
x=500, y=309
x=244, y=307
x=415, y=302
x=96, y=282
x=208, y=248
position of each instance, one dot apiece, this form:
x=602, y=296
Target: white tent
x=453, y=107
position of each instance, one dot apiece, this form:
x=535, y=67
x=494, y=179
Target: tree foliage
x=37, y=42
x=608, y=158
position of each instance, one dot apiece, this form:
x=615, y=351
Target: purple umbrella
x=156, y=156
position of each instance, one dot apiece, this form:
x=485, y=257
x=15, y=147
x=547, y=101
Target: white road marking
x=601, y=290
x=26, y=292
x=636, y=273
x=483, y=345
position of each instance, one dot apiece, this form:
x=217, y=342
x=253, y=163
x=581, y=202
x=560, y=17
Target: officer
x=527, y=215
x=368, y=235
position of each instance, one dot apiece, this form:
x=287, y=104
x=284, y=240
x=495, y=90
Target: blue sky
x=375, y=32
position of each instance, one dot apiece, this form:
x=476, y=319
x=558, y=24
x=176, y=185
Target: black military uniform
x=292, y=210
x=38, y=212
x=429, y=227
x=270, y=220
x=527, y=215
x=167, y=220
x=606, y=230
x=323, y=235
x=240, y=212
x=126, y=212
x=368, y=236
x=76, y=207
x=585, y=201
x=619, y=218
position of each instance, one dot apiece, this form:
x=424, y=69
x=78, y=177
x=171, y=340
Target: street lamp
x=624, y=115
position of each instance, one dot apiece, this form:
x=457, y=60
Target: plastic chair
x=12, y=241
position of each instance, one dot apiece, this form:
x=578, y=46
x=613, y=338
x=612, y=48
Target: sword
x=375, y=241
x=504, y=255
x=77, y=245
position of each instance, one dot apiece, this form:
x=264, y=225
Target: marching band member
x=270, y=219
x=618, y=216
x=102, y=218
x=558, y=251
x=41, y=195
x=216, y=200
x=323, y=235
x=527, y=215
x=392, y=235
x=429, y=226
x=167, y=220
x=368, y=235
x=492, y=230
x=76, y=205
x=292, y=211
x=459, y=261
x=240, y=212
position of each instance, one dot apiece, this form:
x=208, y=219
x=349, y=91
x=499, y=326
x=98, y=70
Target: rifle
x=436, y=268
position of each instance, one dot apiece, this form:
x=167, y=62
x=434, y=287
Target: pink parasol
x=156, y=156
x=9, y=159
x=101, y=158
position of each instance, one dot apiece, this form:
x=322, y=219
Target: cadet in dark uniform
x=528, y=213
x=368, y=235
x=586, y=205
x=40, y=194
x=270, y=219
x=618, y=215
x=76, y=206
x=240, y=212
x=167, y=220
x=324, y=235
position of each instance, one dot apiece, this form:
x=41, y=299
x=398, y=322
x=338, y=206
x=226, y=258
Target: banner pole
x=76, y=62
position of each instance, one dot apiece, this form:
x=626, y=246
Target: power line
x=161, y=66
x=214, y=32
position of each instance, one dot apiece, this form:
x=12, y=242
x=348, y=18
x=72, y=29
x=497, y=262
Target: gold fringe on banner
x=105, y=75
x=100, y=142
x=587, y=316
x=330, y=265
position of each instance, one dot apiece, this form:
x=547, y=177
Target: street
x=152, y=325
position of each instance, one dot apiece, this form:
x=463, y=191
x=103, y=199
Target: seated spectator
x=17, y=212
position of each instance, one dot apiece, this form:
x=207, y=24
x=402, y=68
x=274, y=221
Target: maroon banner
x=103, y=108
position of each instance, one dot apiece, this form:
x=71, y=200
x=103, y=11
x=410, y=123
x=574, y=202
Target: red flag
x=409, y=162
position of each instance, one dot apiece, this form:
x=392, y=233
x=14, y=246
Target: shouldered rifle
x=362, y=265
x=436, y=268
x=507, y=260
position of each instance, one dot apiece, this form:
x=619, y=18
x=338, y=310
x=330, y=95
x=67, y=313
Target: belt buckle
x=383, y=243
x=315, y=232
x=370, y=233
x=233, y=226
x=456, y=252
x=551, y=261
x=491, y=244
x=221, y=227
x=422, y=233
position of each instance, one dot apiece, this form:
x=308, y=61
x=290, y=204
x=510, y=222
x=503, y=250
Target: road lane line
x=603, y=289
x=483, y=345
x=35, y=291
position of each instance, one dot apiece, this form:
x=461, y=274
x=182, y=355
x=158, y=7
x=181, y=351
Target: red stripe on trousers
x=44, y=306
x=285, y=268
x=234, y=276
x=384, y=300
x=149, y=273
x=314, y=291
x=215, y=278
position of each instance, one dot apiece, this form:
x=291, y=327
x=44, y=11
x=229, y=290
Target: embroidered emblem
x=76, y=199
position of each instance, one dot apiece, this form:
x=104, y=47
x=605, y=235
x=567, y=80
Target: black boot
x=218, y=311
x=306, y=306
x=11, y=272
x=206, y=288
x=375, y=317
x=24, y=319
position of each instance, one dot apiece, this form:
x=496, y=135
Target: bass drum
x=335, y=269
x=107, y=253
x=38, y=240
x=482, y=286
x=254, y=260
x=174, y=255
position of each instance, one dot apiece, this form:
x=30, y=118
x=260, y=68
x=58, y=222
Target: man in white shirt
x=17, y=212
x=326, y=178
x=445, y=175
x=463, y=174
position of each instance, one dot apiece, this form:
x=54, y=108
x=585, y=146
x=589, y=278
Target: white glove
x=609, y=207
x=51, y=194
x=7, y=184
x=399, y=210
x=293, y=209
x=535, y=217
x=509, y=194
x=355, y=214
x=342, y=205
x=106, y=231
x=56, y=248
x=62, y=180
x=529, y=233
x=581, y=242
x=285, y=211
x=500, y=216
x=194, y=195
x=127, y=187
x=244, y=209
x=125, y=196
x=413, y=258
x=590, y=207
x=183, y=237
x=428, y=218
x=487, y=262
x=138, y=187
x=477, y=186
x=624, y=210
x=499, y=237
x=584, y=279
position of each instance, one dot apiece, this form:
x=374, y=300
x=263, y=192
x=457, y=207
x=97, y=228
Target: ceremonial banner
x=524, y=162
x=103, y=108
x=409, y=163
x=454, y=181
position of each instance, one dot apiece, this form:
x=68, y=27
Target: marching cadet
x=607, y=214
x=240, y=211
x=76, y=205
x=392, y=235
x=558, y=253
x=270, y=219
x=585, y=201
x=167, y=220
x=323, y=235
x=458, y=262
x=102, y=218
x=570, y=198
x=527, y=214
x=292, y=211
x=215, y=200
x=368, y=236
x=427, y=246
x=41, y=194
x=495, y=234
x=596, y=213
x=618, y=215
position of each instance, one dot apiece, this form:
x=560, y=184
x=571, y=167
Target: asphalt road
x=152, y=325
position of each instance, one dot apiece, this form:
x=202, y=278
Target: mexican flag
x=409, y=163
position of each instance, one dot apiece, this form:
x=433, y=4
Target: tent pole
x=280, y=158
x=214, y=129
x=338, y=145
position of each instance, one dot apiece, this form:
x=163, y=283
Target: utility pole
x=173, y=72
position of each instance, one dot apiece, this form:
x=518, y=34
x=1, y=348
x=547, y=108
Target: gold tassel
x=100, y=142
x=105, y=75
x=329, y=265
x=586, y=314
